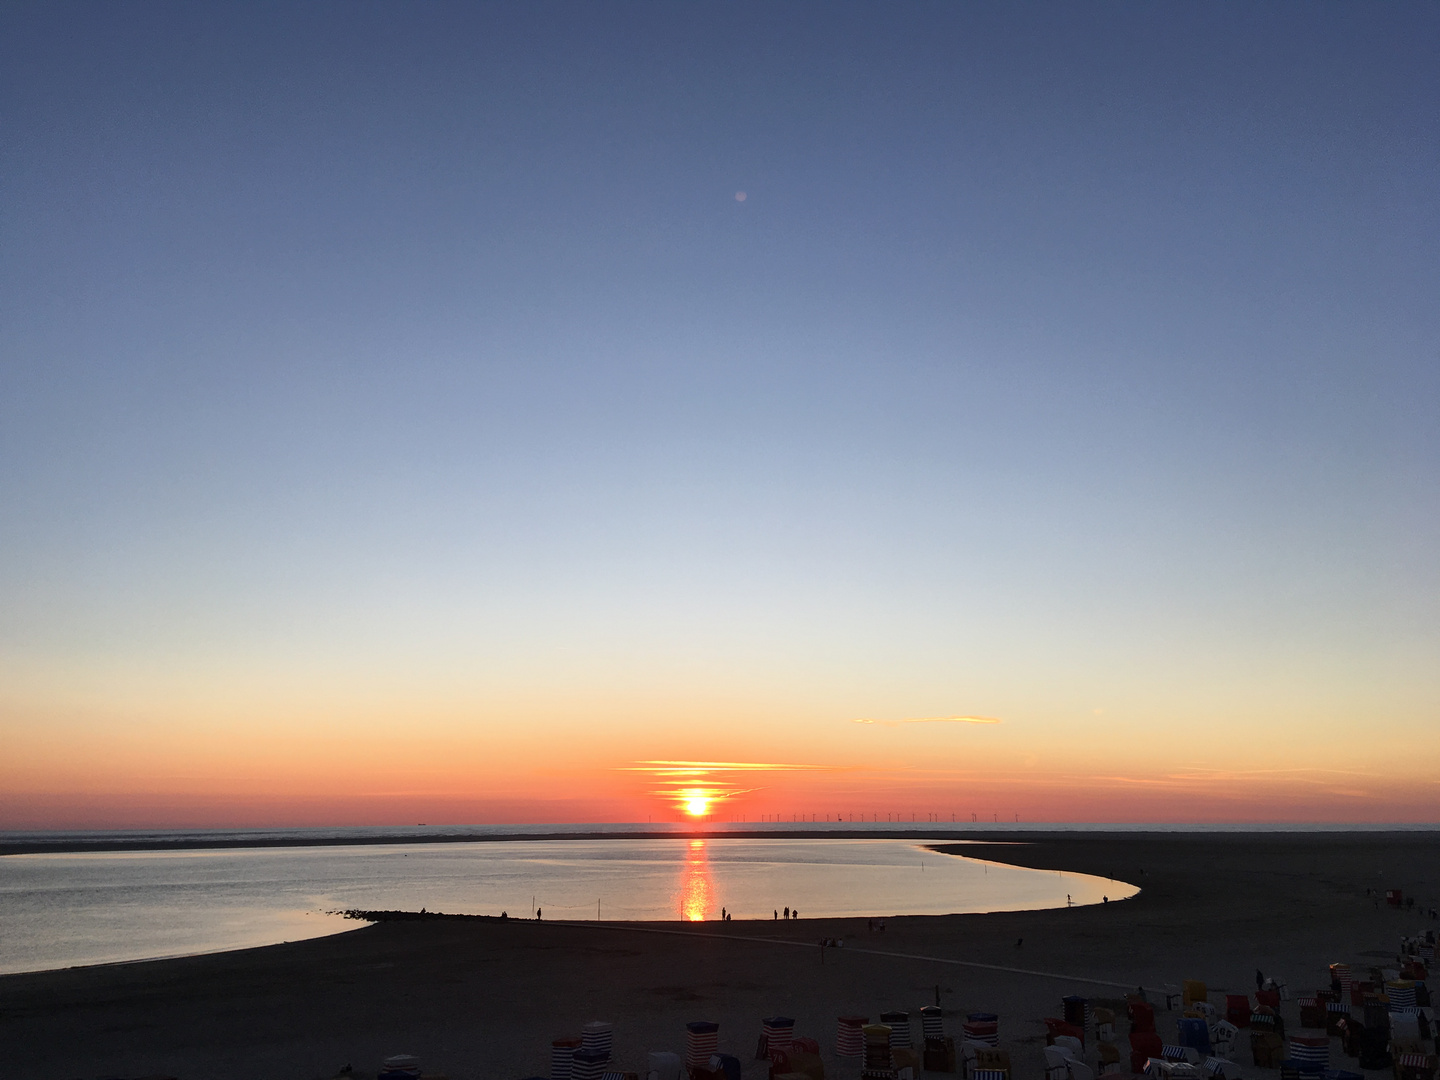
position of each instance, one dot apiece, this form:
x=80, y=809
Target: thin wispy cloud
x=697, y=786
x=663, y=766
x=930, y=720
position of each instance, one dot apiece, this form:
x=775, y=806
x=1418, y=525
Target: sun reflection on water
x=697, y=885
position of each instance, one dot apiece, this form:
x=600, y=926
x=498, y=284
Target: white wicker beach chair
x=1071, y=1047
x=1057, y=1063
x=1223, y=1038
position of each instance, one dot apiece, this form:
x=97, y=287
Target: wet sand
x=481, y=998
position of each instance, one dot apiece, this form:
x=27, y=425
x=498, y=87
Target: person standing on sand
x=537, y=914
x=787, y=913
x=777, y=914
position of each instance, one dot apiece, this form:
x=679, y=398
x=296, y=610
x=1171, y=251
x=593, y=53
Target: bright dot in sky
x=696, y=805
x=739, y=196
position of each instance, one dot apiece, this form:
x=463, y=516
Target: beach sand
x=481, y=998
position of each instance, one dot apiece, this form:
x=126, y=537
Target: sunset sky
x=466, y=413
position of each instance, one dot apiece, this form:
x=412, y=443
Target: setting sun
x=697, y=805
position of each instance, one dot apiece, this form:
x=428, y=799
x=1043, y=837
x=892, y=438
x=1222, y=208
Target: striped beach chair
x=980, y=1027
x=702, y=1039
x=877, y=1047
x=776, y=1033
x=850, y=1036
x=1415, y=1067
x=1310, y=1052
x=562, y=1056
x=587, y=1065
x=1401, y=993
x=899, y=1023
x=598, y=1036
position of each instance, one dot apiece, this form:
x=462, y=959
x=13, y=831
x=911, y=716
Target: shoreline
x=997, y=837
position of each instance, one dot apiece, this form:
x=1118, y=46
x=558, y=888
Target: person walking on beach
x=787, y=913
x=537, y=914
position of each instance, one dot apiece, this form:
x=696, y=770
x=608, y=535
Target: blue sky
x=1058, y=359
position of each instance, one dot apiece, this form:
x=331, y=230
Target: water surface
x=58, y=910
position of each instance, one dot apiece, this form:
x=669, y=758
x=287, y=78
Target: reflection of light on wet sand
x=697, y=887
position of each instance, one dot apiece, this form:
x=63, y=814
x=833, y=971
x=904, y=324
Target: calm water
x=60, y=910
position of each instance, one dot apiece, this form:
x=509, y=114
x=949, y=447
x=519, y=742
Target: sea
x=70, y=908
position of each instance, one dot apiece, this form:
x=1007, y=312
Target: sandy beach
x=481, y=998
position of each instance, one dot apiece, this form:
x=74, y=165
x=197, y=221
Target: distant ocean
x=363, y=834
x=61, y=909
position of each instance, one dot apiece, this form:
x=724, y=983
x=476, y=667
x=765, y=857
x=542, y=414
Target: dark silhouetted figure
x=1019, y=941
x=777, y=914
x=537, y=913
x=1259, y=979
x=787, y=913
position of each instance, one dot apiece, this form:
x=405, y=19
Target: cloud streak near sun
x=695, y=787
x=930, y=720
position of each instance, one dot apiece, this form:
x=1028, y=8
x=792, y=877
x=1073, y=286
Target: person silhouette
x=537, y=914
x=777, y=913
x=787, y=913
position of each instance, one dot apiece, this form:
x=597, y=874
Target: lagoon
x=66, y=909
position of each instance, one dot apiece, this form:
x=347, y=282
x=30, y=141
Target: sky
x=562, y=412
